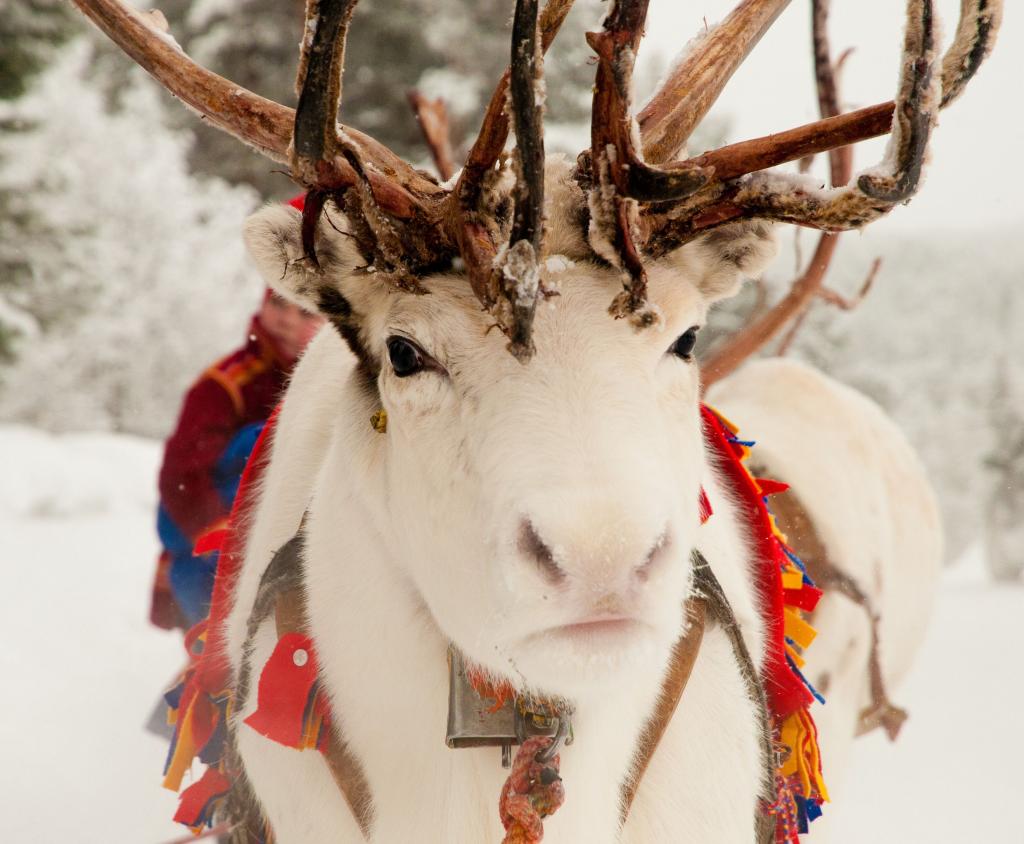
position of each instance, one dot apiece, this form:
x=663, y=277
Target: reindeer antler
x=686, y=96
x=409, y=225
x=476, y=209
x=262, y=124
x=619, y=175
x=810, y=283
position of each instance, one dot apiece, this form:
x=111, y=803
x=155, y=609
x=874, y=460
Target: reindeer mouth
x=600, y=624
x=598, y=630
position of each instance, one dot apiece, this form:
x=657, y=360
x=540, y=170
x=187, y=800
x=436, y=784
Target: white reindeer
x=539, y=510
x=415, y=540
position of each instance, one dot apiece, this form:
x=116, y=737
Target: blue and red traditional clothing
x=220, y=419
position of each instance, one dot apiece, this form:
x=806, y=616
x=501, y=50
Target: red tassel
x=806, y=598
x=210, y=541
x=199, y=800
x=770, y=487
x=286, y=691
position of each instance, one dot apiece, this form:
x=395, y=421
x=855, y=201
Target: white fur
x=412, y=543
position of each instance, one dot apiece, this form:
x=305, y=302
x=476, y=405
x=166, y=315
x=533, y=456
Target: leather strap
x=684, y=655
x=710, y=600
x=281, y=592
x=345, y=768
x=711, y=590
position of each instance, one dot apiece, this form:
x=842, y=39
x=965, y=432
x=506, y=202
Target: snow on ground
x=957, y=771
x=82, y=669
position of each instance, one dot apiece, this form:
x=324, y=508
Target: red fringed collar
x=786, y=592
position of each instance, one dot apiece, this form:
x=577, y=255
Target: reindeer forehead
x=448, y=317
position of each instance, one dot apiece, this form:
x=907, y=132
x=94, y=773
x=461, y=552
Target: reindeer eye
x=683, y=346
x=406, y=357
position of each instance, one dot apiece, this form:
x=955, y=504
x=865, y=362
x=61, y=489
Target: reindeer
x=504, y=477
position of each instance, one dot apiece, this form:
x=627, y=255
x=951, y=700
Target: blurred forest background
x=122, y=271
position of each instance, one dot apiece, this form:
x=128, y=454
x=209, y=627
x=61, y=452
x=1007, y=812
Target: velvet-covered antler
x=738, y=190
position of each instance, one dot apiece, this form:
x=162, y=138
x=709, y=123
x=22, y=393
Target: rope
x=532, y=792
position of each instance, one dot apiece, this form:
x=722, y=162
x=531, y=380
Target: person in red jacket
x=203, y=459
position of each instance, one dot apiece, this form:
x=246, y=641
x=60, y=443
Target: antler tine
x=258, y=122
x=788, y=199
x=318, y=84
x=315, y=136
x=494, y=129
x=975, y=37
x=668, y=229
x=399, y=249
x=618, y=173
x=793, y=306
x=520, y=274
x=471, y=215
x=840, y=158
x=668, y=120
x=917, y=107
x=432, y=116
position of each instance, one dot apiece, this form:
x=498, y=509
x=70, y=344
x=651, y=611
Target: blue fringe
x=801, y=814
x=211, y=752
x=738, y=441
x=172, y=697
x=804, y=680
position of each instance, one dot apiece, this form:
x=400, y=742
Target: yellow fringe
x=184, y=753
x=798, y=735
x=797, y=629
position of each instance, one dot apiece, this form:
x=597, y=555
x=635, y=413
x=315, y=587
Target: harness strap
x=345, y=768
x=721, y=611
x=684, y=655
x=281, y=592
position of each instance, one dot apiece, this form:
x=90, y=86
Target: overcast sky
x=975, y=178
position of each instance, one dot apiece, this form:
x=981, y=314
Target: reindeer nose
x=534, y=548
x=556, y=563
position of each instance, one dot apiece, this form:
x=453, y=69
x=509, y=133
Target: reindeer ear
x=273, y=237
x=725, y=257
x=337, y=290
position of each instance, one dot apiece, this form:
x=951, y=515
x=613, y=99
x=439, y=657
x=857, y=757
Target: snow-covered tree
x=132, y=276
x=1004, y=502
x=30, y=31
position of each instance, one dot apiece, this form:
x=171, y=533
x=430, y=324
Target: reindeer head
x=540, y=508
x=557, y=485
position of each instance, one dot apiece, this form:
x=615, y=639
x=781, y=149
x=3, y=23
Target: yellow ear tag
x=379, y=421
